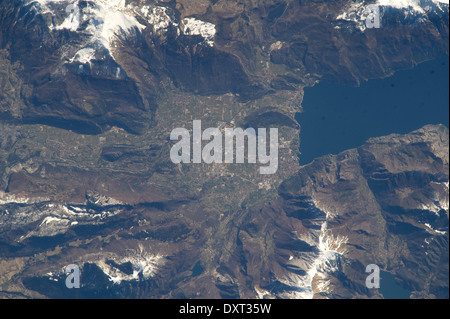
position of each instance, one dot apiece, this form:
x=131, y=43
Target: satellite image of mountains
x=224, y=149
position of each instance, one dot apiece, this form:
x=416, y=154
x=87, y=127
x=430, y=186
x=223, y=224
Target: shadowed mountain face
x=385, y=203
x=104, y=65
x=89, y=96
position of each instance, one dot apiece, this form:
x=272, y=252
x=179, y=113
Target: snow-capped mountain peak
x=103, y=22
x=358, y=13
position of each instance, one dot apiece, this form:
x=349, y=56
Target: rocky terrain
x=89, y=96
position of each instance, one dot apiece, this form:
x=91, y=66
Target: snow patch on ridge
x=433, y=231
x=47, y=218
x=144, y=266
x=318, y=264
x=206, y=30
x=356, y=12
x=84, y=56
x=158, y=17
x=104, y=22
x=416, y=5
x=12, y=199
x=331, y=248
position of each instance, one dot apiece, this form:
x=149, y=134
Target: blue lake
x=390, y=289
x=338, y=117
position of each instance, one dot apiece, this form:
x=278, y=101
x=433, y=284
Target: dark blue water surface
x=338, y=117
x=390, y=289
